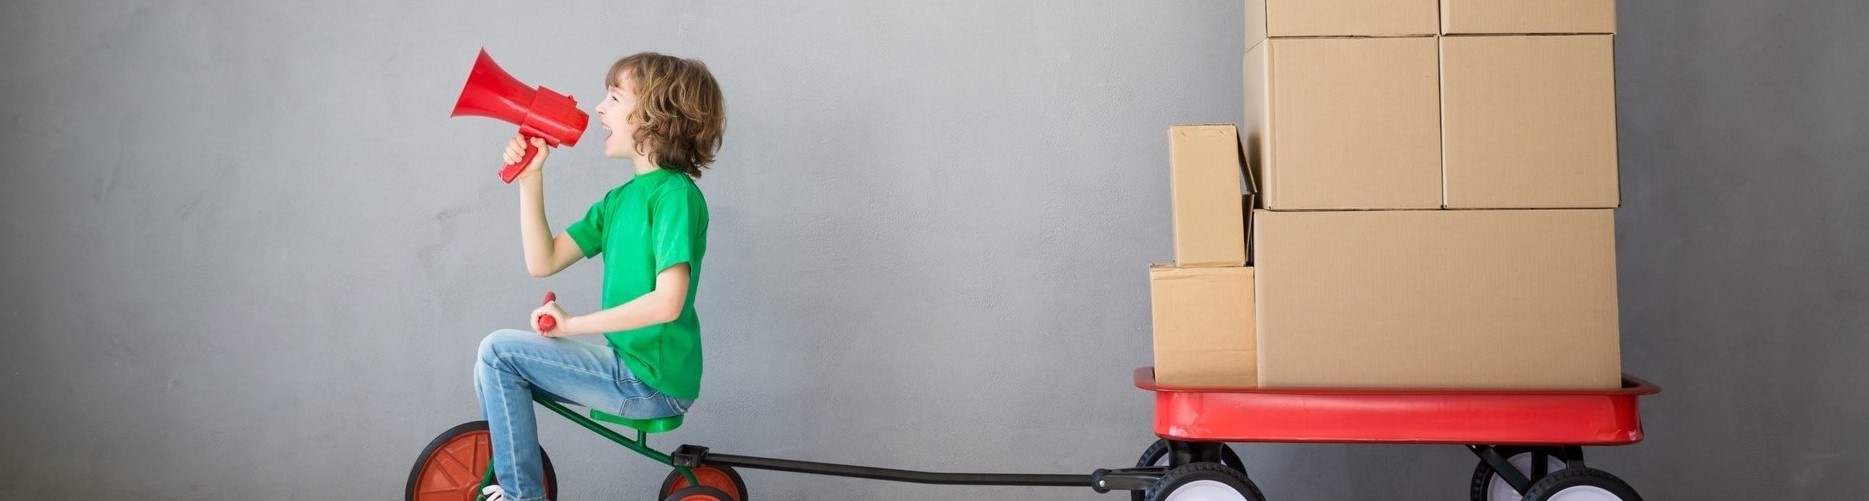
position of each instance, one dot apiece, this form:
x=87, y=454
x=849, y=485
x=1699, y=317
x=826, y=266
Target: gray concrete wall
x=247, y=256
x=1741, y=244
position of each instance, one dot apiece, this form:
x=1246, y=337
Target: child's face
x=613, y=113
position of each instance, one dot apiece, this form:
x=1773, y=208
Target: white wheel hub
x=1584, y=493
x=1209, y=490
x=1498, y=490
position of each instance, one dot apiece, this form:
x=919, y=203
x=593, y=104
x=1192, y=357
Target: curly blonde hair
x=680, y=114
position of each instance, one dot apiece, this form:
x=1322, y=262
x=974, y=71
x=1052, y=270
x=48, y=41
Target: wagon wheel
x=1157, y=455
x=1487, y=485
x=1581, y=484
x=1205, y=482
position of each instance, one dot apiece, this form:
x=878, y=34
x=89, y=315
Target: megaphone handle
x=546, y=323
x=511, y=171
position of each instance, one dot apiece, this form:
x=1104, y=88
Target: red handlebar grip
x=546, y=323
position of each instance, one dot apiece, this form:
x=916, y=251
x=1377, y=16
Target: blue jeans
x=514, y=364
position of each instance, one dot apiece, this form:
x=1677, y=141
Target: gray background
x=247, y=256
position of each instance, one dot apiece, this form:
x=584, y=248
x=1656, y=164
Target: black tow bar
x=1101, y=480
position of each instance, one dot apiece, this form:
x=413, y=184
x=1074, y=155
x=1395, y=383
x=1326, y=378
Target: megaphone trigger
x=511, y=171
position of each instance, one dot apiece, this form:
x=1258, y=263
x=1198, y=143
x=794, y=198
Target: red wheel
x=718, y=477
x=451, y=467
x=698, y=493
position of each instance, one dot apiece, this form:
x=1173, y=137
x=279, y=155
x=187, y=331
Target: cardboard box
x=1204, y=190
x=1203, y=326
x=1339, y=18
x=1344, y=123
x=1522, y=299
x=1514, y=17
x=1530, y=122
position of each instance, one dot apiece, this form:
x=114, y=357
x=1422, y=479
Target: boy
x=665, y=116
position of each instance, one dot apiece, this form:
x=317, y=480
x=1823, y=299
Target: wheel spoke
x=441, y=490
x=466, y=466
x=453, y=471
x=1539, y=461
x=483, y=448
x=448, y=472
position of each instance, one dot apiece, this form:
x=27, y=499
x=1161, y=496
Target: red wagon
x=1529, y=442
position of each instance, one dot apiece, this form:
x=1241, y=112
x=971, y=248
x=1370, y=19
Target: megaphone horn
x=491, y=92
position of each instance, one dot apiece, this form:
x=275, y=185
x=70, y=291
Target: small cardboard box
x=1520, y=299
x=1517, y=17
x=1203, y=326
x=1344, y=123
x=1530, y=122
x=1204, y=189
x=1338, y=18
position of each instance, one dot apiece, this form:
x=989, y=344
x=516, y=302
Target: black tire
x=1205, y=475
x=702, y=491
x=1153, y=455
x=1483, y=474
x=1159, y=450
x=415, y=472
x=1580, y=478
x=675, y=476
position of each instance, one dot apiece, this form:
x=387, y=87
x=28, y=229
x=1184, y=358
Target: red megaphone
x=540, y=113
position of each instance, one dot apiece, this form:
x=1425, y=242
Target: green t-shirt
x=653, y=221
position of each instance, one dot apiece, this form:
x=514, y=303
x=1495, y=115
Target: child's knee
x=494, y=344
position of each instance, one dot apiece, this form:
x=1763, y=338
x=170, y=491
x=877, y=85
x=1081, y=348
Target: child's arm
x=659, y=306
x=545, y=256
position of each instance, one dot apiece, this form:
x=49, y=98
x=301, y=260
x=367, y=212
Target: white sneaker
x=493, y=493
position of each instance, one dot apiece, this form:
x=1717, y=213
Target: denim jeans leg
x=506, y=402
x=515, y=363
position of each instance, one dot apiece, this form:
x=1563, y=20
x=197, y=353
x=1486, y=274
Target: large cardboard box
x=1522, y=299
x=1203, y=326
x=1204, y=191
x=1527, y=16
x=1344, y=123
x=1530, y=122
x=1338, y=18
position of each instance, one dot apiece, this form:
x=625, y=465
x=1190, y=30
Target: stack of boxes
x=1437, y=180
x=1203, y=302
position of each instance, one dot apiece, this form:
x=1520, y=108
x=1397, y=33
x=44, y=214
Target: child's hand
x=516, y=150
x=558, y=315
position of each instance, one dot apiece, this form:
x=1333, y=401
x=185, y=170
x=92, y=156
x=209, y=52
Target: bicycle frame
x=640, y=445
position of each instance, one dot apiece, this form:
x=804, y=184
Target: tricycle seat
x=656, y=425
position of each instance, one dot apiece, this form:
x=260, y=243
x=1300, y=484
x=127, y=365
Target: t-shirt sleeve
x=678, y=219
x=589, y=232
